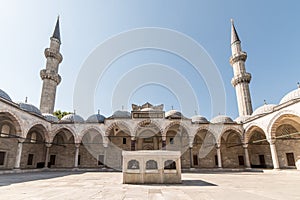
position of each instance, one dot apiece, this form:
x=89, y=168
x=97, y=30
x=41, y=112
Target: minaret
x=241, y=78
x=50, y=75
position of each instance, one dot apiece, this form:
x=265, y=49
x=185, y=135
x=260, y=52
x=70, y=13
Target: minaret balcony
x=47, y=74
x=241, y=56
x=49, y=52
x=242, y=78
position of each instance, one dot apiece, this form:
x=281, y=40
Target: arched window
x=151, y=164
x=170, y=164
x=5, y=130
x=133, y=164
x=33, y=137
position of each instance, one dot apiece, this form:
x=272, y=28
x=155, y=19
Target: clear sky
x=269, y=31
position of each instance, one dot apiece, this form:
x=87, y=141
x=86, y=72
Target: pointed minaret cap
x=56, y=33
x=234, y=35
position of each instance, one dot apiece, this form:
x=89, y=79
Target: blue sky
x=269, y=31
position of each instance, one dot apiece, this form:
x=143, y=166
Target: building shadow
x=8, y=179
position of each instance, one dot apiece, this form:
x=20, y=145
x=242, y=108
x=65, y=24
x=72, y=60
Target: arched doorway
x=204, y=150
x=148, y=136
x=92, y=151
x=177, y=139
x=34, y=149
x=259, y=149
x=286, y=131
x=232, y=150
x=119, y=140
x=10, y=131
x=62, y=150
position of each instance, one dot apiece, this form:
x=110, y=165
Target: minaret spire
x=241, y=78
x=50, y=75
x=56, y=33
x=234, y=35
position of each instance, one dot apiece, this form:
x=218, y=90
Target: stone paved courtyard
x=108, y=185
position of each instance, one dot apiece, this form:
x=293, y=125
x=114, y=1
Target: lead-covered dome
x=50, y=118
x=4, y=95
x=295, y=94
x=96, y=118
x=72, y=118
x=264, y=109
x=121, y=114
x=221, y=119
x=29, y=108
x=173, y=114
x=198, y=119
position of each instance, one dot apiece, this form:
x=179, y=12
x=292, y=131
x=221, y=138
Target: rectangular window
x=30, y=159
x=101, y=160
x=241, y=160
x=195, y=160
x=124, y=140
x=2, y=157
x=171, y=140
x=262, y=161
x=79, y=159
x=290, y=159
x=52, y=159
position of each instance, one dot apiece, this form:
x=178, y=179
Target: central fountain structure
x=151, y=166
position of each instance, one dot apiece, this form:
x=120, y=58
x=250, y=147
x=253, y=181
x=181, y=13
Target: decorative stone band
x=242, y=56
x=54, y=54
x=243, y=78
x=46, y=74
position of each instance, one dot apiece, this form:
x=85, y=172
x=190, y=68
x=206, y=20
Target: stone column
x=274, y=155
x=219, y=156
x=247, y=158
x=47, y=155
x=77, y=145
x=133, y=141
x=19, y=153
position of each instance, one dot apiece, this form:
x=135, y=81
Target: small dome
x=72, y=118
x=4, y=95
x=242, y=119
x=96, y=118
x=221, y=119
x=264, y=109
x=198, y=119
x=121, y=114
x=295, y=94
x=173, y=114
x=30, y=108
x=49, y=117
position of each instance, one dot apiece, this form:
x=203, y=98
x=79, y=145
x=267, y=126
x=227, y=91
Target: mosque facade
x=32, y=137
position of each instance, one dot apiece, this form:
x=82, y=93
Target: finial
x=298, y=84
x=122, y=107
x=98, y=111
x=172, y=108
x=231, y=20
x=196, y=112
x=26, y=98
x=265, y=102
x=234, y=35
x=74, y=112
x=56, y=33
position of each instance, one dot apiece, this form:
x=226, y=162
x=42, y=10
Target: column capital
x=77, y=145
x=48, y=145
x=21, y=140
x=245, y=145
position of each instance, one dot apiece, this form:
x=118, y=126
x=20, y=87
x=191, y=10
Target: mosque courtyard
x=270, y=184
